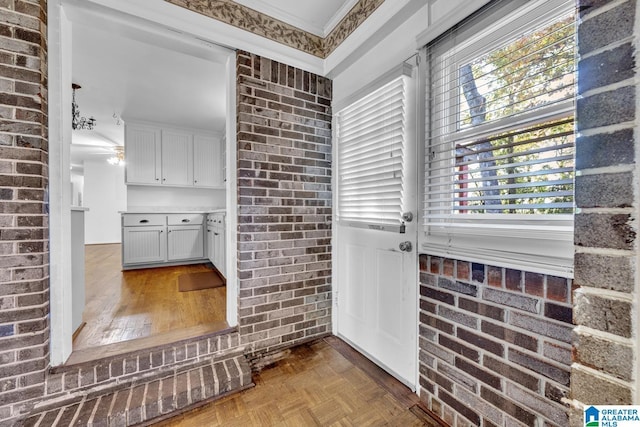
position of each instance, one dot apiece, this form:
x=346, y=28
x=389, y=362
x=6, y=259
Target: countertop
x=172, y=211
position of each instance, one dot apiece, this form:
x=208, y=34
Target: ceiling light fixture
x=118, y=158
x=77, y=122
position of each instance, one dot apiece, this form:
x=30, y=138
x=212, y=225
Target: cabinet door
x=206, y=161
x=144, y=245
x=177, y=158
x=185, y=242
x=142, y=154
x=219, y=250
x=210, y=245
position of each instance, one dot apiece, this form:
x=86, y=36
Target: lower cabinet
x=185, y=242
x=216, y=241
x=156, y=239
x=146, y=244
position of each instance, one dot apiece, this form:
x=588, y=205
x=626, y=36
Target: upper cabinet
x=143, y=154
x=206, y=173
x=156, y=155
x=177, y=158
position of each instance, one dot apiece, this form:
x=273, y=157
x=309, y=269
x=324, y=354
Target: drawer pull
x=144, y=221
x=186, y=220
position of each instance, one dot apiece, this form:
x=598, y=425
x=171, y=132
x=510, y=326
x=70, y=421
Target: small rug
x=198, y=281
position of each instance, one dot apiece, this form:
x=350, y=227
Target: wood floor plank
x=315, y=385
x=129, y=305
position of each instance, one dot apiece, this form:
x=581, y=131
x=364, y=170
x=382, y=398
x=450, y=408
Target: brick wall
x=606, y=341
x=495, y=344
x=24, y=284
x=284, y=203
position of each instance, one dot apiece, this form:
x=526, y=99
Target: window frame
x=537, y=243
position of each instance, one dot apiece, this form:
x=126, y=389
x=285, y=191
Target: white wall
x=158, y=198
x=77, y=188
x=104, y=194
x=399, y=44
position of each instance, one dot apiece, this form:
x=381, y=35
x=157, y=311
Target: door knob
x=406, y=246
x=407, y=216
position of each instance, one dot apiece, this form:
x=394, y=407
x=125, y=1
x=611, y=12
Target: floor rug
x=198, y=281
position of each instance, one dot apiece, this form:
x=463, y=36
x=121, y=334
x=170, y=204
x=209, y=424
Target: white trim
x=403, y=69
x=444, y=23
x=382, y=22
x=231, y=218
x=338, y=16
x=60, y=271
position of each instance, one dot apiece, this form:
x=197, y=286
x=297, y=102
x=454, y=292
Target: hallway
x=322, y=383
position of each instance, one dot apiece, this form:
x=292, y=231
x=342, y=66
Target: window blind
x=371, y=145
x=499, y=152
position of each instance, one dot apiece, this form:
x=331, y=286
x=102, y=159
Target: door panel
x=377, y=299
x=377, y=283
x=354, y=301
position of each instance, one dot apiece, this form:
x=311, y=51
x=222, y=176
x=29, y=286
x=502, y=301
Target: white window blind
x=371, y=139
x=499, y=154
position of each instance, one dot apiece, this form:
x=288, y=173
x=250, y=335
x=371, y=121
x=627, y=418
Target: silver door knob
x=406, y=246
x=407, y=216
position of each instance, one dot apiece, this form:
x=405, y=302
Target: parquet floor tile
x=315, y=385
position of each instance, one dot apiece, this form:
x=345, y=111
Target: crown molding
x=272, y=28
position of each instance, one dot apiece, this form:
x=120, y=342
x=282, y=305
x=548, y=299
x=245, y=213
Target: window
x=371, y=137
x=499, y=152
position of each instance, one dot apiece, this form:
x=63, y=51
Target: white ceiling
x=315, y=16
x=162, y=77
x=138, y=76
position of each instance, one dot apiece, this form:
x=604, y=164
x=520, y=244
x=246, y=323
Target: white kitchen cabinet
x=177, y=158
x=142, y=154
x=158, y=155
x=156, y=239
x=207, y=161
x=185, y=242
x=144, y=244
x=209, y=237
x=216, y=242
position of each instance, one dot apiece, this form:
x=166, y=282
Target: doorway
x=107, y=57
x=376, y=230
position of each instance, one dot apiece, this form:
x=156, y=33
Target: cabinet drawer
x=184, y=219
x=130, y=220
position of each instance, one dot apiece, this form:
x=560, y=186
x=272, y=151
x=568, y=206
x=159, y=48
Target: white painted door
x=177, y=158
x=375, y=258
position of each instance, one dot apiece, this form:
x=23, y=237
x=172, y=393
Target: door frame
x=60, y=29
x=413, y=153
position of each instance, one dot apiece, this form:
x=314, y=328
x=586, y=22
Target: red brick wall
x=495, y=343
x=284, y=203
x=24, y=271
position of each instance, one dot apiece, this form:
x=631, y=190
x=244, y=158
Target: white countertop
x=79, y=208
x=169, y=210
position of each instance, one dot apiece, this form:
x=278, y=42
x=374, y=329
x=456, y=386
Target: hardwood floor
x=126, y=305
x=319, y=384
